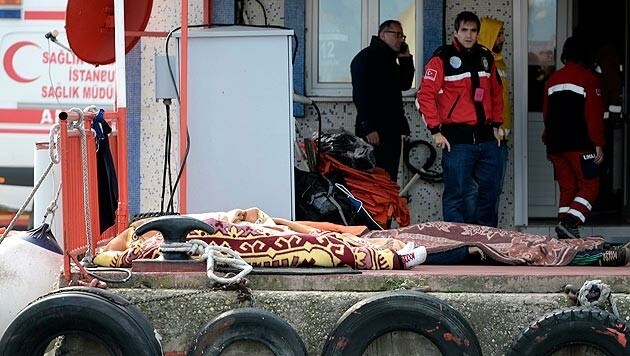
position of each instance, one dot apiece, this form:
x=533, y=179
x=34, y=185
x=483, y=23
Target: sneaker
x=409, y=246
x=417, y=256
x=566, y=231
x=615, y=257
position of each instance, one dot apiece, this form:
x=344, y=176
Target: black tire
x=149, y=330
x=250, y=324
x=96, y=314
x=586, y=326
x=402, y=311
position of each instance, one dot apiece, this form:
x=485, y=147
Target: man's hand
x=372, y=138
x=495, y=130
x=599, y=155
x=441, y=142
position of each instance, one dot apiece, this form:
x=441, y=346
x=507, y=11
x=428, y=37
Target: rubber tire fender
x=570, y=326
x=250, y=324
x=411, y=311
x=144, y=323
x=121, y=328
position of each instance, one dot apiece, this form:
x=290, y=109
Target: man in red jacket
x=460, y=100
x=574, y=136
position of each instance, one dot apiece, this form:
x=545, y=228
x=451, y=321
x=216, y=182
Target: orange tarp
x=376, y=190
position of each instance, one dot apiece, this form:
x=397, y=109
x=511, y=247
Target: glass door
x=544, y=39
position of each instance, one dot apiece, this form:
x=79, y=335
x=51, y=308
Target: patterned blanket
x=263, y=242
x=505, y=246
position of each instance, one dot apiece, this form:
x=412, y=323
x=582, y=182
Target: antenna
x=90, y=28
x=52, y=36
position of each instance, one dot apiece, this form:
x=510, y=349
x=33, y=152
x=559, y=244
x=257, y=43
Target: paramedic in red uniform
x=461, y=102
x=574, y=136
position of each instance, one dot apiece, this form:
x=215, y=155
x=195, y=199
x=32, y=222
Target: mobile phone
x=404, y=47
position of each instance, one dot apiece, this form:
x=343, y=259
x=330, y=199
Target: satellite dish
x=90, y=27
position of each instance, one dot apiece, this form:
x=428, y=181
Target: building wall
x=166, y=15
x=425, y=198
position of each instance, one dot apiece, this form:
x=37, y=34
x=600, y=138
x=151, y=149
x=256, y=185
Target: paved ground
x=487, y=270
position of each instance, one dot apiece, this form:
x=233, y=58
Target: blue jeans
x=470, y=198
x=466, y=163
x=450, y=257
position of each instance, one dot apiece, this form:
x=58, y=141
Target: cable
x=264, y=11
x=50, y=73
x=319, y=133
x=425, y=173
x=239, y=8
x=167, y=156
x=170, y=207
x=240, y=11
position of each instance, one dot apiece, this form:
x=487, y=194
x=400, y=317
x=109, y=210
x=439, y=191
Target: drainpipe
x=207, y=12
x=183, y=84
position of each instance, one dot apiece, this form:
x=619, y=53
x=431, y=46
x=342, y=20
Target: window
x=338, y=30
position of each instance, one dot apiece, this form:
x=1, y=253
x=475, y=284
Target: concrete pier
x=498, y=301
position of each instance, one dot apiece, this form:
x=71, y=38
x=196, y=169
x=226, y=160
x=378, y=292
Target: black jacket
x=378, y=79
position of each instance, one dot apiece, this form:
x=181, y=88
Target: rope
x=53, y=146
x=595, y=293
x=53, y=152
x=212, y=255
x=78, y=125
x=25, y=204
x=52, y=207
x=54, y=159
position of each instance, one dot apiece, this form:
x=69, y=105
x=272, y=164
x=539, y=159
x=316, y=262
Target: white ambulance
x=38, y=78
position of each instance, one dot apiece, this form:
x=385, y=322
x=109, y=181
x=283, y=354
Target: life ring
x=101, y=316
x=411, y=311
x=251, y=324
x=587, y=326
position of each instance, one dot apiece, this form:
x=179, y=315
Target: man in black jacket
x=380, y=72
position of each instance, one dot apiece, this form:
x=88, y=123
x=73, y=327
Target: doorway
x=605, y=29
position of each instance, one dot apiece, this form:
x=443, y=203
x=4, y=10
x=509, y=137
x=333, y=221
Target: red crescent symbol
x=8, y=61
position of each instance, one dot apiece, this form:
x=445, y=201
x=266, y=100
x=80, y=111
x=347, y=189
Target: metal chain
x=59, y=342
x=244, y=293
x=212, y=255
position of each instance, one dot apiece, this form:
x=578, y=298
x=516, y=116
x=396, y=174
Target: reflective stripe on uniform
x=583, y=202
x=577, y=214
x=566, y=87
x=563, y=209
x=454, y=78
